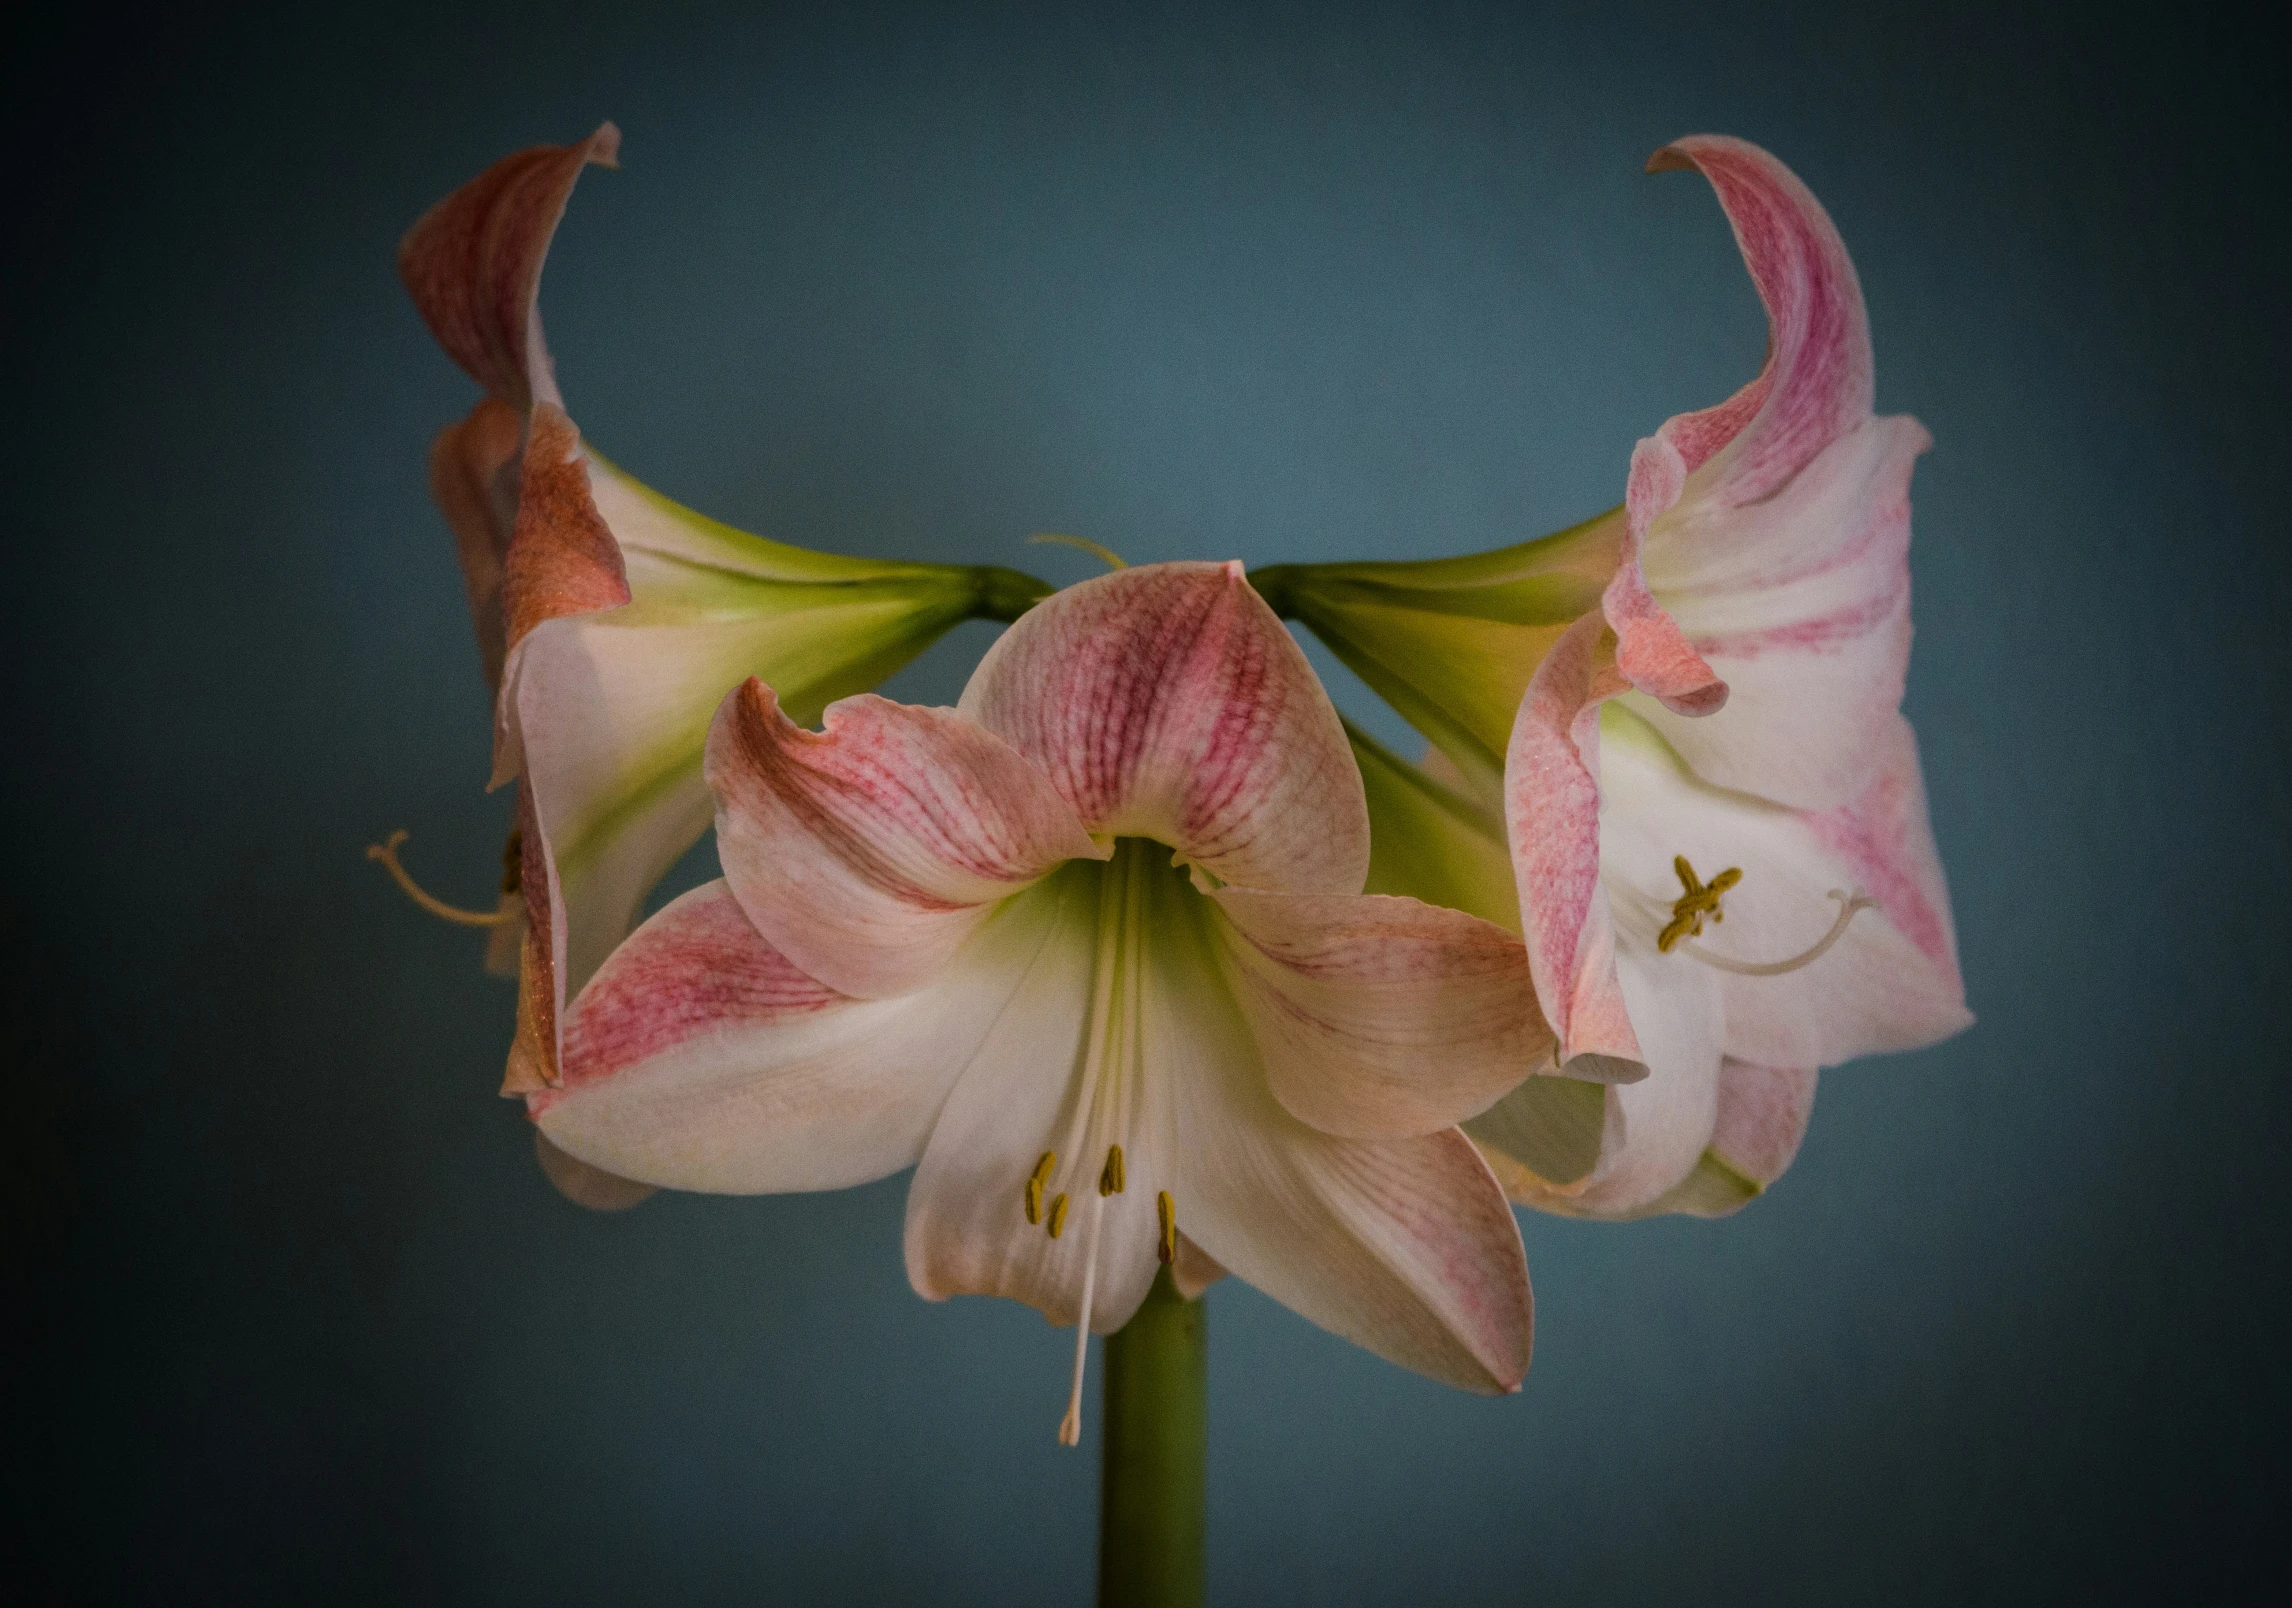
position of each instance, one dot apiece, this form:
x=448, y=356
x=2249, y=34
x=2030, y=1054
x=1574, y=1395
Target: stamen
x=1110, y=1177
x=387, y=853
x=1700, y=900
x=1070, y=1427
x=1038, y=1183
x=1847, y=906
x=1058, y=1215
x=1105, y=555
x=1167, y=1210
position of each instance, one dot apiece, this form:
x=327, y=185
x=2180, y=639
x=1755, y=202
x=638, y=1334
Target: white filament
x=1848, y=904
x=1070, y=1427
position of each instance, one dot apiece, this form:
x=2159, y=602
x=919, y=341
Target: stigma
x=511, y=908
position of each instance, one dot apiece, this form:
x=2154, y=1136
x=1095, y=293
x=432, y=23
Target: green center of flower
x=1113, y=1063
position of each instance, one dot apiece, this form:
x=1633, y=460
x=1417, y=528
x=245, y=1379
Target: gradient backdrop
x=1195, y=283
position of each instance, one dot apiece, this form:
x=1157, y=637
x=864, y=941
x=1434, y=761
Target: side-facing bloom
x=1089, y=952
x=1714, y=805
x=610, y=619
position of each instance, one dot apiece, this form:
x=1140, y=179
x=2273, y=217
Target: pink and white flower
x=1089, y=952
x=1721, y=744
x=609, y=618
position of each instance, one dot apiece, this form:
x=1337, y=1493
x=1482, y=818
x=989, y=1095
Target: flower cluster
x=1140, y=955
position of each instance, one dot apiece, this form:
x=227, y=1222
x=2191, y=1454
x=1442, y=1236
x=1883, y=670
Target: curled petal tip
x=605, y=144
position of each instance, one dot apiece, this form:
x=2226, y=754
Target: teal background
x=305, y=1322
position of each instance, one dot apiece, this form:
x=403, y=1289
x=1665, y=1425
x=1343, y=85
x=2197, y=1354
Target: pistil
x=386, y=853
x=1848, y=904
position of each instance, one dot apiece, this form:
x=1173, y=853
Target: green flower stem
x=1156, y=1430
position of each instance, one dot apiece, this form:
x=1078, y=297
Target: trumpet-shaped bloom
x=1715, y=810
x=1090, y=953
x=610, y=619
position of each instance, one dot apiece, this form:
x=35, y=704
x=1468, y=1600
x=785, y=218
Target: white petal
x=1381, y=1017
x=967, y=1231
x=700, y=1058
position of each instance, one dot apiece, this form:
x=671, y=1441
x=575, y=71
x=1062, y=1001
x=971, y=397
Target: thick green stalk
x=1157, y=1428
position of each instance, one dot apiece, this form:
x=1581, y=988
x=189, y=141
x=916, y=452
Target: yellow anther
x=1038, y=1183
x=1701, y=899
x=1167, y=1210
x=1057, y=1214
x=1110, y=1176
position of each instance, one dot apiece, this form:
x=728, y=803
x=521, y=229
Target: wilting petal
x=473, y=478
x=1168, y=702
x=1552, y=803
x=1380, y=1017
x=700, y=1058
x=562, y=559
x=967, y=1229
x=1890, y=981
x=473, y=264
x=1451, y=642
x=869, y=852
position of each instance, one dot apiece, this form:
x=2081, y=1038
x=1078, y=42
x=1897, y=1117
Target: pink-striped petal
x=1167, y=702
x=1381, y=1017
x=868, y=852
x=1405, y=1247
x=1552, y=809
x=1699, y=488
x=473, y=264
x=1802, y=604
x=701, y=1058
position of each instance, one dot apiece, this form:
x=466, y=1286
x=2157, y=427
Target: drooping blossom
x=1714, y=805
x=1089, y=952
x=610, y=619
x=1697, y=763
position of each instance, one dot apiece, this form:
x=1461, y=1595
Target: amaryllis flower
x=610, y=619
x=1714, y=808
x=1090, y=953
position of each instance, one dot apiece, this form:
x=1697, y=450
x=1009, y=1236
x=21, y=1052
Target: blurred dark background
x=304, y=1321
